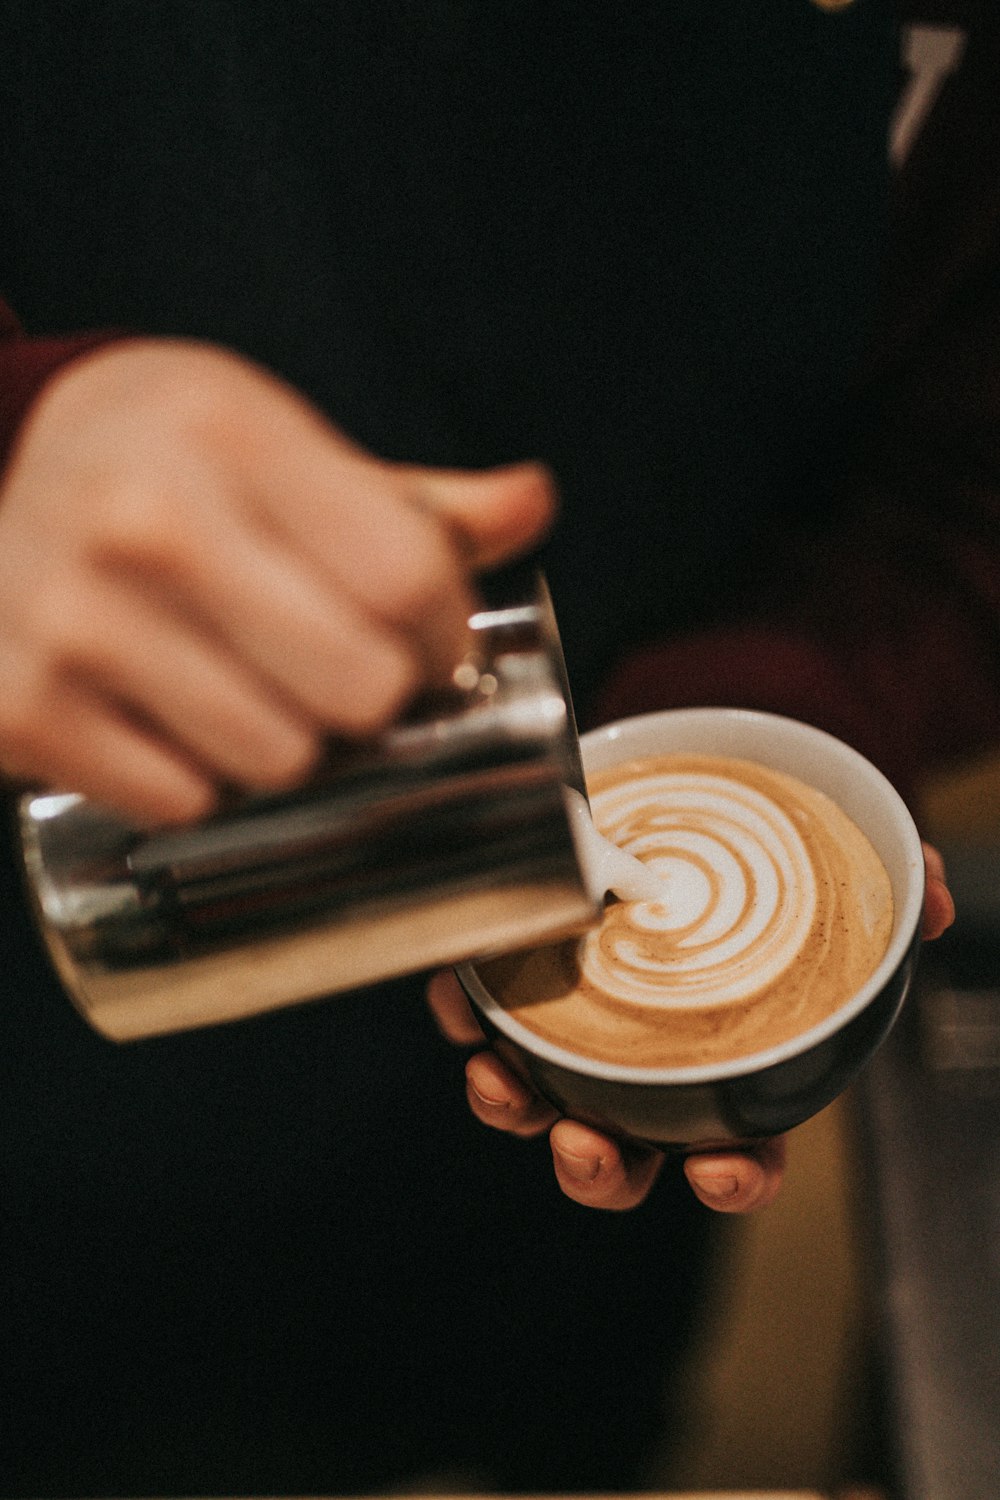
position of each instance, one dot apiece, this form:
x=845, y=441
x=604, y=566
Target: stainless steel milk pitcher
x=446, y=838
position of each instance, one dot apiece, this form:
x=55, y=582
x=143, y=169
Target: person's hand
x=201, y=579
x=939, y=907
x=597, y=1171
x=591, y=1168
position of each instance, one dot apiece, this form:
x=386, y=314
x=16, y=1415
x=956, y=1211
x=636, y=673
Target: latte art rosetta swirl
x=729, y=859
x=775, y=909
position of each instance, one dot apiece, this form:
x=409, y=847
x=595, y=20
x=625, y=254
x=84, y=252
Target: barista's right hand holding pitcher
x=201, y=578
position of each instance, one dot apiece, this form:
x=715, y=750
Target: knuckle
x=51, y=627
x=141, y=527
x=288, y=762
x=421, y=576
x=67, y=632
x=24, y=723
x=187, y=386
x=392, y=676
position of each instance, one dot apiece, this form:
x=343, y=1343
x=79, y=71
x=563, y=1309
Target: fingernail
x=722, y=1189
x=580, y=1168
x=498, y=1103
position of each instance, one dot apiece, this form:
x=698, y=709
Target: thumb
x=494, y=514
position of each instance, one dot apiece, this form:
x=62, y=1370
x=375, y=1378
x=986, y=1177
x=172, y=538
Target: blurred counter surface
x=932, y=1140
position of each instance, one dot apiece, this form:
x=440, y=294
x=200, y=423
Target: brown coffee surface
x=775, y=910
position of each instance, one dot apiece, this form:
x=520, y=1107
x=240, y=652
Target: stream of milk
x=605, y=866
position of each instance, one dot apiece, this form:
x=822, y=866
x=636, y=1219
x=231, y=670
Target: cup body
x=446, y=836
x=702, y=1107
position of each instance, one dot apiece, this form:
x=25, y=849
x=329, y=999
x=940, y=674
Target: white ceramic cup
x=749, y=1098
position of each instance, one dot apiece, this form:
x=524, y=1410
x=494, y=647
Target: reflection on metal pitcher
x=447, y=837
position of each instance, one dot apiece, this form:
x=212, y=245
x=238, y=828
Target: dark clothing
x=637, y=245
x=282, y=1258
x=641, y=243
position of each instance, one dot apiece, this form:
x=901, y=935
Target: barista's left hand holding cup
x=591, y=1168
x=597, y=1171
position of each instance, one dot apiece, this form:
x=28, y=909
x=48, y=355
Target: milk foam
x=726, y=858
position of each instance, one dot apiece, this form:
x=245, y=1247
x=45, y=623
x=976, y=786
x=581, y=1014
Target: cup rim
x=906, y=921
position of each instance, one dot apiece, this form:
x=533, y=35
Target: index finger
x=452, y=1011
x=939, y=905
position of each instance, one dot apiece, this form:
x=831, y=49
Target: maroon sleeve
x=27, y=363
x=896, y=653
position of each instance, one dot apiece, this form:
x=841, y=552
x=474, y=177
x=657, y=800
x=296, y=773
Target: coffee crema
x=775, y=910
